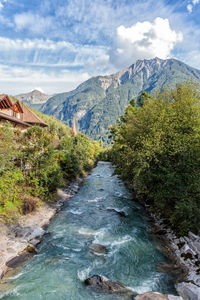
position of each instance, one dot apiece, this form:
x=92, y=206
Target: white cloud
x=38, y=88
x=189, y=8
x=48, y=53
x=91, y=20
x=144, y=40
x=2, y=2
x=54, y=66
x=191, y=5
x=18, y=44
x=195, y=2
x=14, y=80
x=33, y=22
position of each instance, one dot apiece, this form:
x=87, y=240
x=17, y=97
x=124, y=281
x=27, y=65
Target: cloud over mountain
x=145, y=40
x=93, y=36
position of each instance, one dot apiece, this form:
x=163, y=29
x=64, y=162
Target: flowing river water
x=64, y=258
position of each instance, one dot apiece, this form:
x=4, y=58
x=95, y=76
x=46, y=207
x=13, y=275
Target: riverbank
x=66, y=257
x=18, y=241
x=185, y=253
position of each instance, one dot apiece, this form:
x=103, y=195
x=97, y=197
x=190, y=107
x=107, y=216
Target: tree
x=157, y=150
x=143, y=97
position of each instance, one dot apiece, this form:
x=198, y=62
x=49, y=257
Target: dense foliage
x=35, y=163
x=98, y=102
x=156, y=149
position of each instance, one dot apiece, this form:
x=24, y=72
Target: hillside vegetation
x=98, y=102
x=156, y=150
x=35, y=163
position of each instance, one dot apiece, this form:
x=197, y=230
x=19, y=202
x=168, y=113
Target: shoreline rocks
x=188, y=291
x=18, y=242
x=185, y=253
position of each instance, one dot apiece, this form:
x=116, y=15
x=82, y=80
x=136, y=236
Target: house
x=18, y=114
x=31, y=118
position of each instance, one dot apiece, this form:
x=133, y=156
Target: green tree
x=157, y=150
x=142, y=98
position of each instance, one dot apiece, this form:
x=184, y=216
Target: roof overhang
x=13, y=119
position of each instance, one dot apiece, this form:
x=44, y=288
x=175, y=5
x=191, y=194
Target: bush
x=29, y=204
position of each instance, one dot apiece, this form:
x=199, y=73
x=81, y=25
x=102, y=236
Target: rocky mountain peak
x=33, y=97
x=98, y=102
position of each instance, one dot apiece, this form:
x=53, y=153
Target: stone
x=35, y=242
x=21, y=232
x=185, y=248
x=151, y=296
x=104, y=285
x=188, y=291
x=193, y=277
x=193, y=236
x=37, y=232
x=97, y=248
x=171, y=297
x=120, y=212
x=190, y=254
x=18, y=260
x=197, y=245
x=63, y=195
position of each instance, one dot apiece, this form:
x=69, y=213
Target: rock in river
x=97, y=248
x=104, y=285
x=119, y=212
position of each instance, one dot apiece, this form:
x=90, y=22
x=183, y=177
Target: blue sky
x=55, y=45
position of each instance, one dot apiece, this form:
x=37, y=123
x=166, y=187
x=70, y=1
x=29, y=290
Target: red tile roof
x=30, y=117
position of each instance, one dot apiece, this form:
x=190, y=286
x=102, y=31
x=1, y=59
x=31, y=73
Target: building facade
x=19, y=115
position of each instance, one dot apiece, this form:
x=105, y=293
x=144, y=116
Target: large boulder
x=151, y=296
x=104, y=285
x=188, y=291
x=19, y=260
x=157, y=296
x=98, y=249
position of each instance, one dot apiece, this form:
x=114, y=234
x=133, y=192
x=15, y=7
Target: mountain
x=34, y=99
x=98, y=102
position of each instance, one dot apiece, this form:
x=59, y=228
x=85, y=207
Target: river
x=64, y=258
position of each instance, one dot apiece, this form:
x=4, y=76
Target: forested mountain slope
x=99, y=101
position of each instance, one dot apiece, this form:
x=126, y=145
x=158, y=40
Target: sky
x=53, y=45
